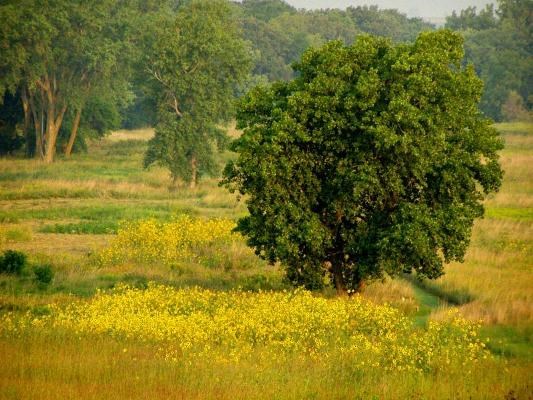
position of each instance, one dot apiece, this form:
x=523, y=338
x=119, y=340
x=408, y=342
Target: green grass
x=519, y=214
x=521, y=128
x=92, y=228
x=508, y=341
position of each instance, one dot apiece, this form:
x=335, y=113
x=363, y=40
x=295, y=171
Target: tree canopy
x=374, y=160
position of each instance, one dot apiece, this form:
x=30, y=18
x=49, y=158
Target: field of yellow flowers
x=181, y=239
x=163, y=342
x=228, y=326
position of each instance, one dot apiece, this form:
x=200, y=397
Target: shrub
x=44, y=274
x=12, y=262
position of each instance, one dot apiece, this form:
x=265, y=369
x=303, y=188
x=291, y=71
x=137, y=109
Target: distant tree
x=500, y=45
x=270, y=46
x=101, y=116
x=468, y=18
x=198, y=64
x=148, y=28
x=11, y=124
x=265, y=10
x=387, y=23
x=514, y=108
x=320, y=25
x=374, y=160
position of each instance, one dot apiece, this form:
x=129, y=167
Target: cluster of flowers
x=150, y=241
x=202, y=324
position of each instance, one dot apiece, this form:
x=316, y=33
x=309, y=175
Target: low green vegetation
x=12, y=262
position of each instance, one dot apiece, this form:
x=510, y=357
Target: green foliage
x=58, y=58
x=501, y=50
x=280, y=39
x=373, y=161
x=12, y=262
x=100, y=116
x=179, y=141
x=44, y=274
x=265, y=10
x=387, y=23
x=198, y=65
x=470, y=19
x=514, y=108
x=270, y=49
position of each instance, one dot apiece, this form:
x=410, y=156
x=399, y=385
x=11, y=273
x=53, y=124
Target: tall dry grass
x=498, y=267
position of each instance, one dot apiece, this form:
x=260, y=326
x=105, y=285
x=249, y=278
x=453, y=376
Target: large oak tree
x=374, y=160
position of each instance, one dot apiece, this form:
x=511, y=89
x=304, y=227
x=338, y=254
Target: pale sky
x=427, y=9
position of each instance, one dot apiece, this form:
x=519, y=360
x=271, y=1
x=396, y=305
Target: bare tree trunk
x=194, y=172
x=52, y=130
x=73, y=133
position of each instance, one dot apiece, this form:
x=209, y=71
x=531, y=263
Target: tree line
x=71, y=69
x=499, y=43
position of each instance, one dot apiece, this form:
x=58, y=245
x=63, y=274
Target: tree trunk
x=340, y=285
x=37, y=124
x=27, y=122
x=52, y=130
x=174, y=184
x=194, y=172
x=73, y=133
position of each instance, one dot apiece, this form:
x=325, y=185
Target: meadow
x=125, y=317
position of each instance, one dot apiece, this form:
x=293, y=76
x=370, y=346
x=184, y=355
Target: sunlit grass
x=90, y=368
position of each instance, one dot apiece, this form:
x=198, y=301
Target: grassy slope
x=62, y=212
x=495, y=282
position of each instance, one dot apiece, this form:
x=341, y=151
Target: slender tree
x=197, y=63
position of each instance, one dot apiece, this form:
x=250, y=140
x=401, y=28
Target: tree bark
x=340, y=284
x=27, y=121
x=52, y=131
x=361, y=286
x=194, y=172
x=73, y=133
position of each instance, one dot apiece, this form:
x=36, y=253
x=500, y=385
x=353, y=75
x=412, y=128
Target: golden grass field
x=66, y=214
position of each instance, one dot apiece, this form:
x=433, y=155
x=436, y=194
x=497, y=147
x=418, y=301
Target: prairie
x=67, y=213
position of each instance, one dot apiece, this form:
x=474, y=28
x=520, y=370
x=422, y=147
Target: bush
x=12, y=262
x=44, y=274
